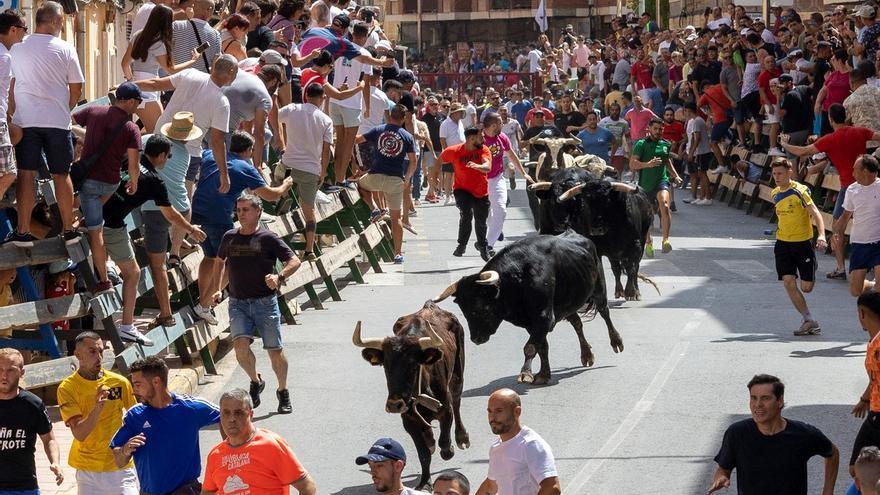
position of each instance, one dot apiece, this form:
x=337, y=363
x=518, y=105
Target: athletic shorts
x=864, y=256
x=751, y=104
x=701, y=163
x=868, y=435
x=195, y=166
x=306, y=186
x=156, y=229
x=652, y=194
x=447, y=168
x=719, y=131
x=390, y=185
x=795, y=258
x=56, y=145
x=344, y=116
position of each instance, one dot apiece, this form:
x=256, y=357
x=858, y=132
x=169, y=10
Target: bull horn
x=623, y=187
x=449, y=291
x=540, y=186
x=574, y=191
x=489, y=277
x=367, y=344
x=573, y=140
x=432, y=340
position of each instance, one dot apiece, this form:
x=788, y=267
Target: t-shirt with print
x=843, y=147
x=100, y=122
x=596, y=142
x=195, y=92
x=21, y=420
x=513, y=131
x=519, y=465
x=43, y=67
x=348, y=71
x=791, y=210
x=249, y=258
x=173, y=175
x=694, y=126
x=266, y=465
x=76, y=398
x=170, y=454
x=619, y=128
x=864, y=202
x=464, y=178
x=498, y=147
x=646, y=149
x=872, y=366
x=214, y=207
x=391, y=143
x=120, y=204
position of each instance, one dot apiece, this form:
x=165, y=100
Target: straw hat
x=182, y=127
x=456, y=107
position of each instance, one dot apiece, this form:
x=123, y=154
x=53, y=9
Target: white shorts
x=122, y=482
x=148, y=95
x=771, y=118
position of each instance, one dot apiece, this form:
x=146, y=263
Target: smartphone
x=201, y=48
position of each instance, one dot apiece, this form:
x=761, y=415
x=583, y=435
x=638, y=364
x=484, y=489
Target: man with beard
x=162, y=433
x=271, y=465
x=568, y=119
x=387, y=459
x=520, y=461
x=537, y=128
x=472, y=162
x=500, y=148
x=92, y=402
x=23, y=416
x=620, y=128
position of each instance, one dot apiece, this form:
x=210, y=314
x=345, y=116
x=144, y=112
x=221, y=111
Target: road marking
x=750, y=269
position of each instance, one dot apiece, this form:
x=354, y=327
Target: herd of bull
x=532, y=283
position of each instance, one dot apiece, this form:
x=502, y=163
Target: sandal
x=836, y=275
x=173, y=261
x=163, y=321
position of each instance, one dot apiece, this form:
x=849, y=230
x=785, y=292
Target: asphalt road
x=648, y=420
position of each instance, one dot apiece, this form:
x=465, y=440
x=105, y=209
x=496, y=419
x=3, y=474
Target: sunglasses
x=22, y=27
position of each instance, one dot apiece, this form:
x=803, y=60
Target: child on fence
x=60, y=283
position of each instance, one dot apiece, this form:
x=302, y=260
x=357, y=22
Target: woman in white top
x=233, y=36
x=148, y=51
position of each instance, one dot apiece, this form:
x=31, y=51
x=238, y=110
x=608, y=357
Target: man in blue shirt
x=388, y=173
x=212, y=210
x=597, y=140
x=162, y=433
x=520, y=107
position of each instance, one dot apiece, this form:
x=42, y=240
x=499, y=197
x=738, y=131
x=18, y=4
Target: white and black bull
x=535, y=283
x=424, y=372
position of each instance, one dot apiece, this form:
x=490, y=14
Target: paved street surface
x=648, y=420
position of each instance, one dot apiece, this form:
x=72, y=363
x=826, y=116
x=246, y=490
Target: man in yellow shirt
x=92, y=402
x=794, y=235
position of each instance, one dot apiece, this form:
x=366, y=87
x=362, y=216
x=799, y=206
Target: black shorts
x=795, y=258
x=701, y=163
x=869, y=434
x=752, y=104
x=45, y=146
x=447, y=168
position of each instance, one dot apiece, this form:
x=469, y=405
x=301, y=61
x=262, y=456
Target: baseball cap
x=271, y=57
x=342, y=20
x=796, y=52
x=784, y=78
x=129, y=91
x=383, y=449
x=384, y=45
x=866, y=11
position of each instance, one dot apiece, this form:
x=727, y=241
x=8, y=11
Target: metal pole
x=419, y=25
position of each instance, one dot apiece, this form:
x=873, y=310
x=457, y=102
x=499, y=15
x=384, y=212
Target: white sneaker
x=776, y=152
x=698, y=202
x=129, y=333
x=206, y=314
x=719, y=170
x=322, y=198
x=446, y=201
x=707, y=202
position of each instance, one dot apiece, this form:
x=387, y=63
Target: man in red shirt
x=843, y=147
x=769, y=104
x=472, y=162
x=714, y=97
x=538, y=101
x=673, y=131
x=641, y=74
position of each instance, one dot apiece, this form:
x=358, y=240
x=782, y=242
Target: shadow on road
x=523, y=388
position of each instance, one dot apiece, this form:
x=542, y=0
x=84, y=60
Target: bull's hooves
x=447, y=454
x=587, y=361
x=618, y=295
x=464, y=445
x=618, y=347
x=525, y=378
x=463, y=440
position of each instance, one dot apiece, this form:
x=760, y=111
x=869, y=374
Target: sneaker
x=776, y=151
x=71, y=237
x=666, y=247
x=308, y=256
x=25, y=240
x=459, y=251
x=413, y=213
x=707, y=202
x=487, y=253
x=409, y=228
x=690, y=201
x=836, y=275
x=129, y=333
x=398, y=260
x=347, y=185
x=101, y=287
x=284, y=406
x=206, y=314
x=672, y=207
x=447, y=200
x=256, y=389
x=376, y=215
x=322, y=199
x=649, y=250
x=808, y=327
x=329, y=188
x=719, y=170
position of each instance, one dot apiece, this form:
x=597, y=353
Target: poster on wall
x=8, y=4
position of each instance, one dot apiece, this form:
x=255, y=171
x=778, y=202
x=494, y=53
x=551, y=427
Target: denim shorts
x=258, y=317
x=214, y=233
x=838, y=205
x=90, y=201
x=55, y=144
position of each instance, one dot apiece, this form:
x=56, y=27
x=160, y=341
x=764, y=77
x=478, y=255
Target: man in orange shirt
x=471, y=162
x=251, y=460
x=869, y=402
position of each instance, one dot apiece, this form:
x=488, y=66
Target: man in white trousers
x=499, y=146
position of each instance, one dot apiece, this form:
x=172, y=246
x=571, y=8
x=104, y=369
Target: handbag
x=79, y=170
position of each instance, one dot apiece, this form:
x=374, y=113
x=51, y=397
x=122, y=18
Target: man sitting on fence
x=250, y=253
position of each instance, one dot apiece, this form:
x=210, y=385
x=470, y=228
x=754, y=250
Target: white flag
x=541, y=17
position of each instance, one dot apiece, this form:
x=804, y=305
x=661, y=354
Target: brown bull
x=424, y=372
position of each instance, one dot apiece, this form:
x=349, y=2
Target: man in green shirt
x=650, y=156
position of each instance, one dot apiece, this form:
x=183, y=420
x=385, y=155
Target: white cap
x=384, y=45
x=866, y=11
x=757, y=20
x=664, y=44
x=690, y=28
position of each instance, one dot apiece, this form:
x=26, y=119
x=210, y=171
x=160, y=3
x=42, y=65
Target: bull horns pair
x=578, y=188
x=431, y=341
x=489, y=277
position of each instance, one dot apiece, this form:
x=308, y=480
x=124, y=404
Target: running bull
x=535, y=283
x=616, y=216
x=424, y=372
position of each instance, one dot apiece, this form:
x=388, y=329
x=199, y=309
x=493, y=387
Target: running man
x=650, y=156
x=794, y=235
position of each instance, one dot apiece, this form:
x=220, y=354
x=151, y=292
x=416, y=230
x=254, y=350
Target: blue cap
x=384, y=449
x=129, y=90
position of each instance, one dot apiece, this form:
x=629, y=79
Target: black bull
x=615, y=216
x=424, y=372
x=535, y=283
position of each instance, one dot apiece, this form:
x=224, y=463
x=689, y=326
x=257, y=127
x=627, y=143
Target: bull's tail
x=644, y=278
x=589, y=311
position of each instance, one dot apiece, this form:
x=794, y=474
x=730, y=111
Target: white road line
x=752, y=269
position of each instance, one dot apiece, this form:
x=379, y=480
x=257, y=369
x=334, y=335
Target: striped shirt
x=185, y=42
